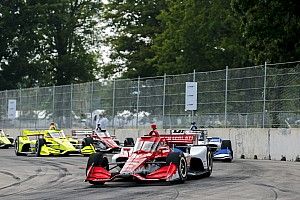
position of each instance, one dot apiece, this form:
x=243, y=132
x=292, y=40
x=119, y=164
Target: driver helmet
x=153, y=126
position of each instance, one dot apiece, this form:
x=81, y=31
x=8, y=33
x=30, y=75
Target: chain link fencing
x=260, y=96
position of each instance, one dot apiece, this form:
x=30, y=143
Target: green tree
x=201, y=35
x=18, y=44
x=271, y=29
x=48, y=42
x=135, y=25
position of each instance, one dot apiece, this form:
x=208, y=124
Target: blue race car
x=222, y=148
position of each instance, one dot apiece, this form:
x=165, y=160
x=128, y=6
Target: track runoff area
x=30, y=177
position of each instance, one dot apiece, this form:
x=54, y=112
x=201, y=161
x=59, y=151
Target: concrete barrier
x=264, y=143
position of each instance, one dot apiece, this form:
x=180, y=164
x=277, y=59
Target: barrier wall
x=265, y=143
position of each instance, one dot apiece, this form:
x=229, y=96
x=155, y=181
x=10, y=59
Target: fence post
x=91, y=102
x=36, y=106
x=164, y=99
x=6, y=109
x=226, y=93
x=137, y=103
x=71, y=105
x=53, y=102
x=264, y=96
x=113, y=103
x=20, y=115
x=194, y=79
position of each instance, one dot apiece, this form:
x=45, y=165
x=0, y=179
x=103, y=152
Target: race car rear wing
x=181, y=139
x=182, y=131
x=201, y=133
x=82, y=132
x=37, y=132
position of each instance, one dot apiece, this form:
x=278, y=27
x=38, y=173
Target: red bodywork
x=103, y=137
x=143, y=158
x=107, y=140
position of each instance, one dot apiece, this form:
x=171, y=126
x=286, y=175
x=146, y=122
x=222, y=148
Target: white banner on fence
x=12, y=108
x=191, y=96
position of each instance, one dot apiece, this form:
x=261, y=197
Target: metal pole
x=137, y=103
x=226, y=91
x=264, y=96
x=113, y=103
x=164, y=99
x=71, y=105
x=91, y=103
x=6, y=100
x=36, y=107
x=20, y=115
x=53, y=103
x=6, y=110
x=194, y=79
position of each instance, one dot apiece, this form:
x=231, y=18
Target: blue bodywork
x=221, y=152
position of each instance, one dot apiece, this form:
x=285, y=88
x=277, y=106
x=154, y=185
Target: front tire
x=179, y=160
x=96, y=183
x=97, y=160
x=38, y=146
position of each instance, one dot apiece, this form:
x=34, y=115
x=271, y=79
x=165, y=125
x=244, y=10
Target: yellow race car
x=5, y=141
x=48, y=142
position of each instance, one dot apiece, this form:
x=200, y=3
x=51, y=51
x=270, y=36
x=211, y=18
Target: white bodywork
x=201, y=153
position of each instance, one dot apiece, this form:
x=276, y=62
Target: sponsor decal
x=184, y=138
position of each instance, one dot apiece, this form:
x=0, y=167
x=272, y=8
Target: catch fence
x=260, y=96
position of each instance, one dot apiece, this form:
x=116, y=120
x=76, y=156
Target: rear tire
x=128, y=142
x=17, y=147
x=179, y=160
x=209, y=159
x=226, y=144
x=87, y=141
x=117, y=142
x=11, y=140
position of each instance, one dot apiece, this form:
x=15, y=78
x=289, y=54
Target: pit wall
x=264, y=143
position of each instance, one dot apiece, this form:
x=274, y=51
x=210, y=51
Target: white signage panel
x=191, y=96
x=11, y=109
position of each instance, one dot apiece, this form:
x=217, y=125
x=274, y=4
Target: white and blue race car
x=222, y=148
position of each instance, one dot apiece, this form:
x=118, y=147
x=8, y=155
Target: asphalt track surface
x=62, y=178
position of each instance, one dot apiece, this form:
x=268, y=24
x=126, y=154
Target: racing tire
x=117, y=142
x=11, y=140
x=209, y=158
x=87, y=141
x=226, y=144
x=128, y=142
x=17, y=151
x=179, y=160
x=98, y=160
x=38, y=146
x=96, y=183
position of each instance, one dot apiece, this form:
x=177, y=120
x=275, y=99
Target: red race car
x=155, y=157
x=101, y=140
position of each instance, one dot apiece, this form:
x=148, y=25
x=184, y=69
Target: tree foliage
x=135, y=25
x=271, y=29
x=47, y=42
x=201, y=35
